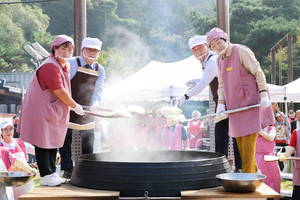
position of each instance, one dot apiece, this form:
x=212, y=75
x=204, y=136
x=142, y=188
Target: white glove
x=180, y=100
x=94, y=108
x=78, y=109
x=192, y=137
x=24, y=167
x=220, y=108
x=265, y=102
x=192, y=82
x=288, y=152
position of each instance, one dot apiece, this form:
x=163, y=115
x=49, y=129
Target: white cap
x=3, y=125
x=94, y=43
x=197, y=40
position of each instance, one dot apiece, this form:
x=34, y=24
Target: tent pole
x=285, y=102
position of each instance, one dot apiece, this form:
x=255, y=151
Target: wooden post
x=223, y=16
x=290, y=64
x=273, y=70
x=79, y=24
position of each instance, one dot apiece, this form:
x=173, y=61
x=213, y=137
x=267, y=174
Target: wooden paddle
x=269, y=158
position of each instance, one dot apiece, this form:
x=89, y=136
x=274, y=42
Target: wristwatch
x=186, y=97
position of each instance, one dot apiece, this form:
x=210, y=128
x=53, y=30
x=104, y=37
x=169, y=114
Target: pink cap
x=60, y=39
x=215, y=33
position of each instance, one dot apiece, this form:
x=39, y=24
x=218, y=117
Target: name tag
x=229, y=69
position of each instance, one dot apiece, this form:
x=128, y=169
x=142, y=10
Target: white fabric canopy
x=157, y=81
x=160, y=81
x=293, y=91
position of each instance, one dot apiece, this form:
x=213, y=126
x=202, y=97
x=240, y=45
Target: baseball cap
x=3, y=125
x=94, y=43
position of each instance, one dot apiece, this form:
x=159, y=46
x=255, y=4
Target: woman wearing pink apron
x=7, y=159
x=158, y=124
x=19, y=149
x=142, y=138
x=195, y=131
x=294, y=147
x=241, y=83
x=45, y=110
x=265, y=145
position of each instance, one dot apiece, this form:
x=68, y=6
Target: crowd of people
x=62, y=86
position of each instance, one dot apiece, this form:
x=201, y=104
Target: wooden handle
x=269, y=158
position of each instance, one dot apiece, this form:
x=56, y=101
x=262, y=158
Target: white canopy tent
x=157, y=81
x=293, y=91
x=160, y=81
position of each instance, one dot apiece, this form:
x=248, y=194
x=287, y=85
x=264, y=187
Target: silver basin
x=240, y=182
x=15, y=178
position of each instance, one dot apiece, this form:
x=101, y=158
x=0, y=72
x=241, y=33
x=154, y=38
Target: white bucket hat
x=197, y=40
x=94, y=43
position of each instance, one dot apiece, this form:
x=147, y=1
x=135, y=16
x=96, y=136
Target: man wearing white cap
x=207, y=59
x=87, y=77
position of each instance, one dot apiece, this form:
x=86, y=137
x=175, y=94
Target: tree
x=17, y=25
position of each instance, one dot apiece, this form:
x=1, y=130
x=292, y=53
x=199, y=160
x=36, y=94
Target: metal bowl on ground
x=15, y=178
x=241, y=182
x=156, y=173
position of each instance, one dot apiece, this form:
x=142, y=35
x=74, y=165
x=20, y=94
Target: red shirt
x=50, y=78
x=293, y=140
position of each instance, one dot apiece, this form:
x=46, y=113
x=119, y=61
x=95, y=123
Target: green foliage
x=113, y=63
x=17, y=25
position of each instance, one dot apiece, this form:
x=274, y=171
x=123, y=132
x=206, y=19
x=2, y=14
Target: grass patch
x=286, y=185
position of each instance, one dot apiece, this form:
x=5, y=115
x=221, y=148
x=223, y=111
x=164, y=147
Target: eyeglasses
x=7, y=130
x=92, y=50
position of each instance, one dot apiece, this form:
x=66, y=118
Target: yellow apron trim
x=229, y=69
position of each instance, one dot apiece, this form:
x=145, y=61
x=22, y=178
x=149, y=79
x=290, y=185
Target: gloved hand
x=192, y=137
x=265, y=102
x=24, y=167
x=220, y=108
x=94, y=108
x=192, y=82
x=187, y=148
x=180, y=100
x=288, y=152
x=267, y=136
x=78, y=109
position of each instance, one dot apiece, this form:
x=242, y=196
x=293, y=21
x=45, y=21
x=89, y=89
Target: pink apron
x=194, y=130
x=44, y=118
x=20, y=147
x=142, y=137
x=240, y=90
x=117, y=138
x=157, y=130
x=171, y=140
x=296, y=172
x=270, y=169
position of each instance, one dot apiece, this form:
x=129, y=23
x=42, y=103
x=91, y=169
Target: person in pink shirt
x=241, y=83
x=142, y=137
x=44, y=116
x=195, y=131
x=158, y=123
x=294, y=147
x=265, y=145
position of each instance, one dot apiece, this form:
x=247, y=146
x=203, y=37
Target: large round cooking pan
x=160, y=173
